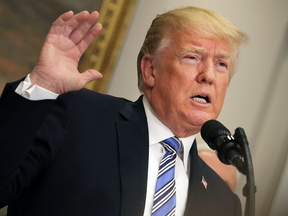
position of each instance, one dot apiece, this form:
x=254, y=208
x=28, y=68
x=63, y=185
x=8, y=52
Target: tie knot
x=171, y=144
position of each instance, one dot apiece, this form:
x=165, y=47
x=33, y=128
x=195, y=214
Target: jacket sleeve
x=20, y=119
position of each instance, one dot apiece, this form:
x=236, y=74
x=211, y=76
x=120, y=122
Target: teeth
x=199, y=99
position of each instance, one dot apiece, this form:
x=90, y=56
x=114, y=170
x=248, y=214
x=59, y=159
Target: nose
x=206, y=72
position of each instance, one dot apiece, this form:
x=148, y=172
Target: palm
x=68, y=38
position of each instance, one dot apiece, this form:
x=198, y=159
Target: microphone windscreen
x=212, y=129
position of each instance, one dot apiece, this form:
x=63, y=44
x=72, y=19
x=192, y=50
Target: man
x=91, y=154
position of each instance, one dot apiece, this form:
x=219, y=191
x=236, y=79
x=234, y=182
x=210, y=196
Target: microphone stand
x=249, y=189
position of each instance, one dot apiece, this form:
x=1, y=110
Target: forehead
x=183, y=41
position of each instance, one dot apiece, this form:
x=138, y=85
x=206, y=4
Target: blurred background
x=257, y=96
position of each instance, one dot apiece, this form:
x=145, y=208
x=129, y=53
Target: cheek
x=221, y=93
x=171, y=83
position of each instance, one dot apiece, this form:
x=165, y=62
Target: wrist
x=34, y=92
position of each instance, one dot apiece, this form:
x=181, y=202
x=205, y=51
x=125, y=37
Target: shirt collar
x=158, y=131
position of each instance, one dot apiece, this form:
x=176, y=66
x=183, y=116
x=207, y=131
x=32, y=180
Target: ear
x=148, y=70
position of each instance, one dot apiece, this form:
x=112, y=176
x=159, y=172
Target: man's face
x=190, y=79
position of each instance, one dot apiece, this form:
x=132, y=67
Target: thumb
x=90, y=75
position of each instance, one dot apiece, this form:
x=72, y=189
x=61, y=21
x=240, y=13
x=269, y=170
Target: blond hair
x=200, y=22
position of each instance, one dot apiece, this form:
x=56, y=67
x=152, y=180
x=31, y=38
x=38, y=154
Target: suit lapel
x=133, y=153
x=196, y=190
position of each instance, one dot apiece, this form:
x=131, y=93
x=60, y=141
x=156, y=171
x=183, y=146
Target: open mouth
x=201, y=98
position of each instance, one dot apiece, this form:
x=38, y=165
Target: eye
x=222, y=64
x=191, y=57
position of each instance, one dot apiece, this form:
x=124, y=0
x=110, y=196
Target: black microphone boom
x=233, y=150
x=219, y=138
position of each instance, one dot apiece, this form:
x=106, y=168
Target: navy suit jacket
x=87, y=154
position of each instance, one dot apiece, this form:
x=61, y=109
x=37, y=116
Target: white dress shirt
x=35, y=92
x=157, y=133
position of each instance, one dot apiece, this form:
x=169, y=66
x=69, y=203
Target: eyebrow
x=196, y=49
x=223, y=54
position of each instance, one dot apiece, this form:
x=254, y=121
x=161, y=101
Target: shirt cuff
x=35, y=92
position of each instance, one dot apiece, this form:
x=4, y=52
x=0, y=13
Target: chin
x=200, y=120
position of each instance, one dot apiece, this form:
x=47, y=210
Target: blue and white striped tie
x=165, y=192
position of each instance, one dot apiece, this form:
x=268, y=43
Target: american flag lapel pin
x=204, y=182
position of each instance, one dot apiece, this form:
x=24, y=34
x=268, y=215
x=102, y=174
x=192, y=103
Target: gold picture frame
x=115, y=16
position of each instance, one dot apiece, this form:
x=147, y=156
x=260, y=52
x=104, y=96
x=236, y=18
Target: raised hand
x=67, y=40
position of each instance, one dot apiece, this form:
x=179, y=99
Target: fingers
x=79, y=33
x=70, y=25
x=64, y=18
x=74, y=26
x=59, y=25
x=78, y=28
x=89, y=37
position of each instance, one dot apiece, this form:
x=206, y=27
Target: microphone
x=219, y=138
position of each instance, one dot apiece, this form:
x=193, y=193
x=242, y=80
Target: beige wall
x=256, y=99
